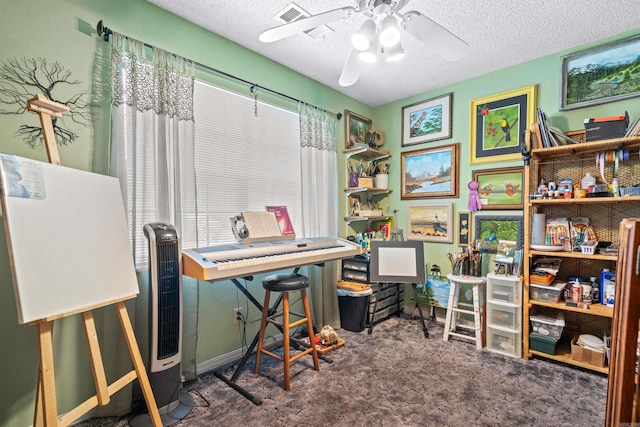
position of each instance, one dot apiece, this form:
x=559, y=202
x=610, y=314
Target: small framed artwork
x=430, y=172
x=464, y=228
x=357, y=129
x=601, y=74
x=489, y=230
x=430, y=223
x=427, y=121
x=500, y=188
x=498, y=123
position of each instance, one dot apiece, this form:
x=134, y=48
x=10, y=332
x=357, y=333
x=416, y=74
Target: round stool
x=286, y=283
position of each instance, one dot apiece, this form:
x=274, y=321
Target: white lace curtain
x=318, y=139
x=152, y=154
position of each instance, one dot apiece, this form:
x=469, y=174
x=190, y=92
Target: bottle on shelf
x=595, y=290
x=588, y=182
x=614, y=187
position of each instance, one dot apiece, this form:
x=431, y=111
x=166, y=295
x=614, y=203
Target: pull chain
x=254, y=90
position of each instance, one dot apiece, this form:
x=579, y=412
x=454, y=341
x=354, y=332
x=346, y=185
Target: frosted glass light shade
x=389, y=31
x=363, y=38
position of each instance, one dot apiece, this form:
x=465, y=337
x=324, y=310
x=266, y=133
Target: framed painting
x=464, y=228
x=601, y=74
x=498, y=123
x=357, y=129
x=430, y=223
x=430, y=172
x=427, y=121
x=490, y=229
x=500, y=188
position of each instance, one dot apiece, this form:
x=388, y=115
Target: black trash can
x=354, y=309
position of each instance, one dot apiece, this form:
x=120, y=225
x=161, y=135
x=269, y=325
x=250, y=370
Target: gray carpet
x=396, y=377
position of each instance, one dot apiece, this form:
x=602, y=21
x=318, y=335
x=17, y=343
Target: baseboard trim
x=228, y=358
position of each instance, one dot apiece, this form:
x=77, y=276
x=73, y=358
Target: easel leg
x=134, y=350
x=46, y=413
x=415, y=296
x=99, y=377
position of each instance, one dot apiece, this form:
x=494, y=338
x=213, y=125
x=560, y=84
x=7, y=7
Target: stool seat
x=285, y=282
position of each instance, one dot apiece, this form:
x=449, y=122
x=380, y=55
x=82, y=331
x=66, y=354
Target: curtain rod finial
x=103, y=31
x=339, y=115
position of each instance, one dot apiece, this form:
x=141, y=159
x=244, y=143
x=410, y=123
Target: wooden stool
x=452, y=308
x=286, y=283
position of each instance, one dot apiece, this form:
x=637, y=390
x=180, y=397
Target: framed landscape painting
x=500, y=188
x=491, y=229
x=430, y=223
x=357, y=129
x=498, y=123
x=426, y=121
x=430, y=173
x=601, y=74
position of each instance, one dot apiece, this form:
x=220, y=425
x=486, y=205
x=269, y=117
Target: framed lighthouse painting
x=430, y=223
x=498, y=123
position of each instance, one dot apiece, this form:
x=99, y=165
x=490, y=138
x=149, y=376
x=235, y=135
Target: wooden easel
x=46, y=411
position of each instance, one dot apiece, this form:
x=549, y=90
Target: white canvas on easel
x=67, y=236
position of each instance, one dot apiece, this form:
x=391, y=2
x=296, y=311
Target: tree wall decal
x=22, y=79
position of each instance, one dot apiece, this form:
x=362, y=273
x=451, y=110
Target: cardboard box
x=585, y=355
x=365, y=182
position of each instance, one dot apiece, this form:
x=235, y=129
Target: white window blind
x=243, y=162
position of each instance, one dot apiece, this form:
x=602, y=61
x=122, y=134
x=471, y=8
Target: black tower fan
x=165, y=326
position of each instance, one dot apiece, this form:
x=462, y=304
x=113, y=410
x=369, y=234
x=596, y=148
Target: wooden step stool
x=452, y=308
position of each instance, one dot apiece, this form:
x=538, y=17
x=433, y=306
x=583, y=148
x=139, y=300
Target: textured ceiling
x=500, y=33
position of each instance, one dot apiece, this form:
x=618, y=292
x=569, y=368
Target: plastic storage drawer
x=504, y=316
x=504, y=288
x=505, y=342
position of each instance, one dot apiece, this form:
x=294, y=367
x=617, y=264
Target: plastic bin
x=542, y=343
x=354, y=309
x=547, y=325
x=548, y=293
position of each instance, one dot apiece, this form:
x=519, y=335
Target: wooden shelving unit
x=605, y=214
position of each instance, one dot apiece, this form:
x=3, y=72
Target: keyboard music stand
x=397, y=262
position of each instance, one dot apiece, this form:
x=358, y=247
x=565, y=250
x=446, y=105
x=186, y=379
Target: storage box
x=542, y=343
x=547, y=325
x=503, y=288
x=504, y=316
x=365, y=181
x=505, y=342
x=585, y=355
x=598, y=129
x=548, y=293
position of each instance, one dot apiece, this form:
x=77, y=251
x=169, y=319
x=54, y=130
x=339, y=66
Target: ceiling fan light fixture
x=389, y=31
x=363, y=38
x=394, y=53
x=370, y=55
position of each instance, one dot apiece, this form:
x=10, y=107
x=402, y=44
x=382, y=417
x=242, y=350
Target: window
x=242, y=162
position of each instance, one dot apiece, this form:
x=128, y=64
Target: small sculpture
x=474, y=199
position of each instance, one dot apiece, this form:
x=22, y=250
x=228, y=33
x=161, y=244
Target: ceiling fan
x=379, y=36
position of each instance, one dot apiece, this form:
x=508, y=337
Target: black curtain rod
x=105, y=32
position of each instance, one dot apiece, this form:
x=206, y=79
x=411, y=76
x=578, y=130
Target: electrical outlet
x=237, y=316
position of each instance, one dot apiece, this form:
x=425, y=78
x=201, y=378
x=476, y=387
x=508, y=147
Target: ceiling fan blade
x=304, y=24
x=447, y=44
x=351, y=70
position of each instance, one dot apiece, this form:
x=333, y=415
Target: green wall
x=64, y=31
x=543, y=72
